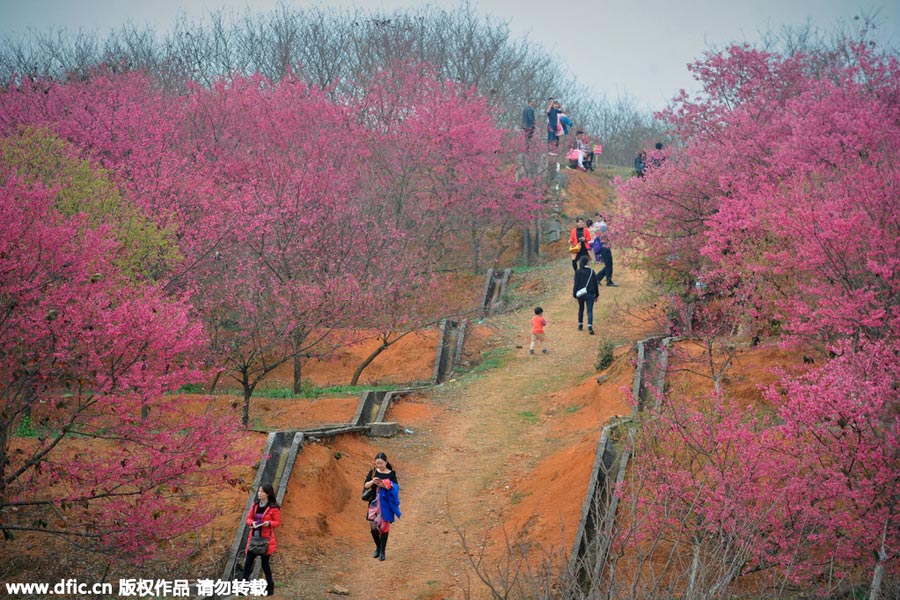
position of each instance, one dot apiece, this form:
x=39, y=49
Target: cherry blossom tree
x=105, y=453
x=444, y=171
x=294, y=208
x=779, y=201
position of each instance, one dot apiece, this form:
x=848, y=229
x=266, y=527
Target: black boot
x=377, y=539
x=384, y=538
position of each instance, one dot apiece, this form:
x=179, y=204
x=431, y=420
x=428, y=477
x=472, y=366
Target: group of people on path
x=381, y=492
x=581, y=153
x=588, y=237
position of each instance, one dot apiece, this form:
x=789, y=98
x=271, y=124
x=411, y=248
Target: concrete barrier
x=598, y=511
x=276, y=465
x=495, y=285
x=449, y=350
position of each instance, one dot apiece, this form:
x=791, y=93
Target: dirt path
x=493, y=429
x=488, y=440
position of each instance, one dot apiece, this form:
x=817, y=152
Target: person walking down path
x=384, y=509
x=602, y=251
x=262, y=519
x=538, y=322
x=580, y=240
x=585, y=290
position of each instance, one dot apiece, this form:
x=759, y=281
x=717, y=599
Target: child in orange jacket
x=538, y=322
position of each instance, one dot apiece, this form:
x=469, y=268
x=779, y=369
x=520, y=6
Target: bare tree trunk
x=297, y=339
x=355, y=379
x=214, y=382
x=526, y=245
x=297, y=387
x=878, y=575
x=695, y=570
x=476, y=245
x=248, y=393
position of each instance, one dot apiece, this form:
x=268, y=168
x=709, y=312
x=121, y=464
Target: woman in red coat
x=262, y=519
x=580, y=240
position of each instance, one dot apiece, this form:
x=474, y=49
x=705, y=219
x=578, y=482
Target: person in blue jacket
x=385, y=508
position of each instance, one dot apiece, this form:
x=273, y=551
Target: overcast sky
x=634, y=47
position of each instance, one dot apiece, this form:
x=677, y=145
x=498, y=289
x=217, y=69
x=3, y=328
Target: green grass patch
x=492, y=359
x=25, y=428
x=527, y=269
x=307, y=390
x=348, y=390
x=529, y=416
x=615, y=171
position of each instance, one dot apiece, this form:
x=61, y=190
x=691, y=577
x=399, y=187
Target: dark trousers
x=575, y=259
x=586, y=301
x=552, y=140
x=607, y=271
x=266, y=567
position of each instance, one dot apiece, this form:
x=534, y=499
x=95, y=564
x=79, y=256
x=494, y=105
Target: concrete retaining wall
x=449, y=350
x=495, y=284
x=275, y=467
x=598, y=511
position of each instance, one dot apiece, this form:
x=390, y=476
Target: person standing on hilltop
x=552, y=111
x=528, y=121
x=564, y=122
x=385, y=507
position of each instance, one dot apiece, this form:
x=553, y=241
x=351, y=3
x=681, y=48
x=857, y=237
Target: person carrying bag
x=262, y=519
x=585, y=290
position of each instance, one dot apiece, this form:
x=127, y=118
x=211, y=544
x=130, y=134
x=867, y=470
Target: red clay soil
x=749, y=372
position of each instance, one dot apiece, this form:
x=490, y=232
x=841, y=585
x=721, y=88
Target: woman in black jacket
x=585, y=290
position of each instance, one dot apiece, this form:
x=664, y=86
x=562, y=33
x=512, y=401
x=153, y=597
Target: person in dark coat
x=528, y=120
x=586, y=280
x=640, y=162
